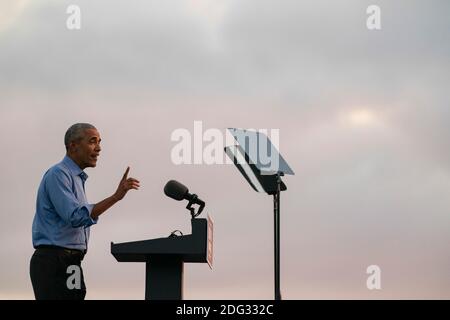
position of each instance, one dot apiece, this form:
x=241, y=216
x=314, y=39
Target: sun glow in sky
x=211, y=11
x=10, y=11
x=362, y=117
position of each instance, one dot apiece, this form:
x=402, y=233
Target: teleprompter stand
x=262, y=166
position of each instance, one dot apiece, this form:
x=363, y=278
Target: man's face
x=86, y=151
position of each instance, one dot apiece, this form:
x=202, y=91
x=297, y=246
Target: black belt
x=66, y=250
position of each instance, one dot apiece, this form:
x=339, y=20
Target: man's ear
x=72, y=147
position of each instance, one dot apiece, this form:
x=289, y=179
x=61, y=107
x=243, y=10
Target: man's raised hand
x=125, y=185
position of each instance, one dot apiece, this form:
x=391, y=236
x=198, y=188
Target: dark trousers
x=56, y=274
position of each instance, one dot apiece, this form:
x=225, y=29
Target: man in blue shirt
x=63, y=217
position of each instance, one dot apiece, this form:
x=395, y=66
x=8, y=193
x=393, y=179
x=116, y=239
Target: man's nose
x=98, y=148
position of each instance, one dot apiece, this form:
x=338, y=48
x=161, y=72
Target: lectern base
x=164, y=279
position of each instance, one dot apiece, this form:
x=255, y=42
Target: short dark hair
x=75, y=133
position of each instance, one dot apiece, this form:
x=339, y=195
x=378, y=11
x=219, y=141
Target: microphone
x=178, y=191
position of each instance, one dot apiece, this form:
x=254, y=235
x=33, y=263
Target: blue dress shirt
x=63, y=214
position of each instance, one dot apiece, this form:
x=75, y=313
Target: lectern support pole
x=164, y=279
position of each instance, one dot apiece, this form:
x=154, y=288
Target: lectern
x=165, y=258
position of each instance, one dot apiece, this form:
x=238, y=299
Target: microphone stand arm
x=194, y=200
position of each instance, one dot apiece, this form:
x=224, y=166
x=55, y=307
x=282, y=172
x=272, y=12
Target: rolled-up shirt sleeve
x=68, y=207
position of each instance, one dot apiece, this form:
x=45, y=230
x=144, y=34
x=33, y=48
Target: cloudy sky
x=364, y=120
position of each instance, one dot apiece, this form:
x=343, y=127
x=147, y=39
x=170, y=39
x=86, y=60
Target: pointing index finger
x=125, y=175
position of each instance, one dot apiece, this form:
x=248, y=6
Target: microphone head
x=175, y=190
